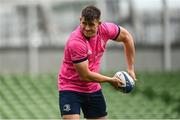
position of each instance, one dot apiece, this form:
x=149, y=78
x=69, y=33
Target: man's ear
x=80, y=18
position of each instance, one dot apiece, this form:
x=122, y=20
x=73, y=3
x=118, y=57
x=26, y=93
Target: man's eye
x=84, y=23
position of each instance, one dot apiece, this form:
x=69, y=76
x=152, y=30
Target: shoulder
x=109, y=29
x=76, y=42
x=76, y=39
x=108, y=26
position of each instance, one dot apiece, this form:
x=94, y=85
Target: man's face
x=89, y=29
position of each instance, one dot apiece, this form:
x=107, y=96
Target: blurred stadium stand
x=32, y=38
x=27, y=97
x=33, y=33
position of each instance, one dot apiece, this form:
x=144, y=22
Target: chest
x=95, y=48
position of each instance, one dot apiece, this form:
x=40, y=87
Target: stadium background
x=32, y=38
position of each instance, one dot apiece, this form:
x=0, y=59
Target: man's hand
x=132, y=74
x=116, y=82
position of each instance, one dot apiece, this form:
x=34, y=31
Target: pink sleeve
x=112, y=30
x=78, y=51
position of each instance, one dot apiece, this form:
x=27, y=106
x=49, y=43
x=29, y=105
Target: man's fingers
x=121, y=82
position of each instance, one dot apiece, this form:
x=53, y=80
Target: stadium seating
x=156, y=96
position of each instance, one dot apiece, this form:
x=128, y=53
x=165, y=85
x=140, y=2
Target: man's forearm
x=96, y=77
x=130, y=52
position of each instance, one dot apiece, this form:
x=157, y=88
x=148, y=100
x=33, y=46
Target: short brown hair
x=90, y=13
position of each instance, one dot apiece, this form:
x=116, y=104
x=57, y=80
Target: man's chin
x=89, y=35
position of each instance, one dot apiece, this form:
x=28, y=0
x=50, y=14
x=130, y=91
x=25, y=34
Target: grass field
x=156, y=95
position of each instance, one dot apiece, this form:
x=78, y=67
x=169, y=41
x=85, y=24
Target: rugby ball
x=128, y=81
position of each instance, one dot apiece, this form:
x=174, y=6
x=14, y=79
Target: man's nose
x=87, y=27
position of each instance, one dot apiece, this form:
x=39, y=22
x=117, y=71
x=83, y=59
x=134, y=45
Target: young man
x=79, y=80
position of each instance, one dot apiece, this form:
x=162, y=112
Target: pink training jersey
x=79, y=49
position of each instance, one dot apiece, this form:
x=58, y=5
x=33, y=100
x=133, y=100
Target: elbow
x=127, y=39
x=85, y=77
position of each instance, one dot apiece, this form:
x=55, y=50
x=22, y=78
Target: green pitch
x=156, y=95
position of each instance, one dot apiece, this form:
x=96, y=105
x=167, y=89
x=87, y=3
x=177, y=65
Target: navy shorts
x=92, y=104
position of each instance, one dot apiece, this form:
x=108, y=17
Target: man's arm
x=129, y=49
x=89, y=76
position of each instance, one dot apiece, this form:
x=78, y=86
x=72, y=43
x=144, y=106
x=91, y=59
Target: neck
x=88, y=38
